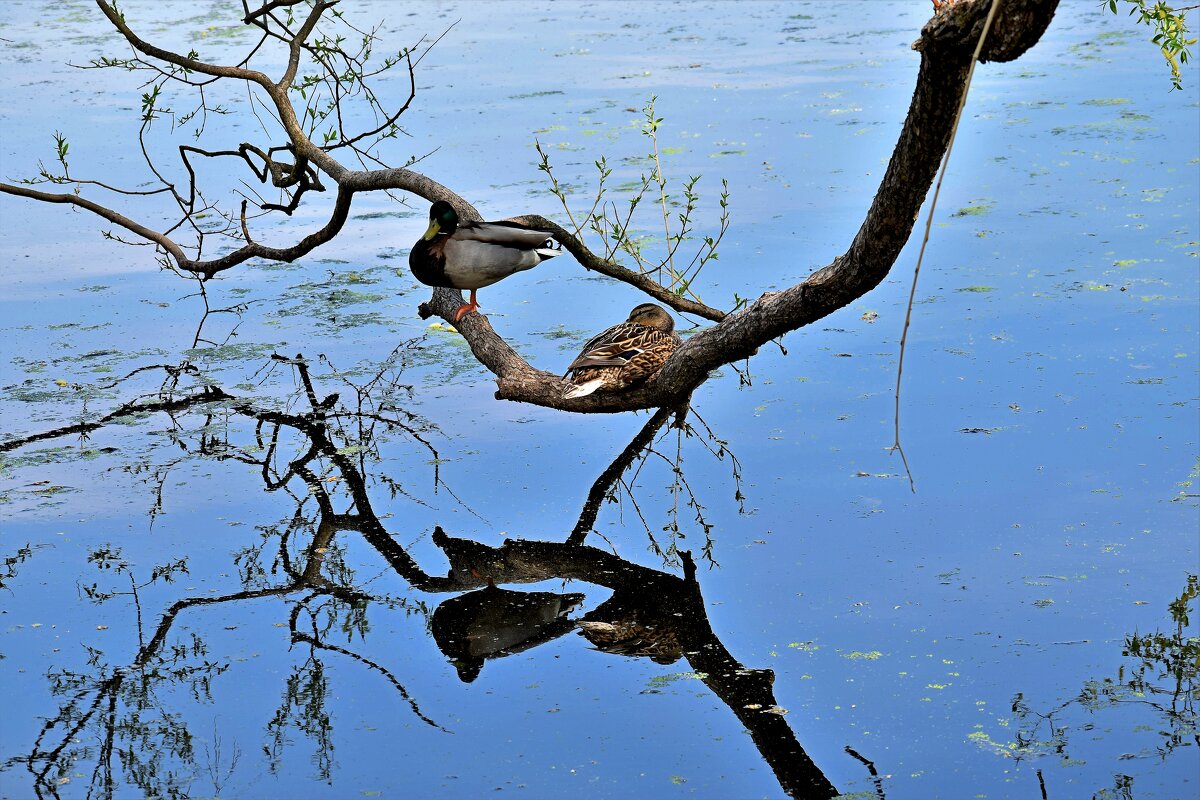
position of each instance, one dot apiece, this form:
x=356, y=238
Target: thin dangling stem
x=912, y=293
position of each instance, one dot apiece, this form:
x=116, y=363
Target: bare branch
x=118, y=21
x=112, y=216
x=645, y=283
x=297, y=44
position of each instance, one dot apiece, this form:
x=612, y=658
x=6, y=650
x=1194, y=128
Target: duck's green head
x=443, y=219
x=652, y=316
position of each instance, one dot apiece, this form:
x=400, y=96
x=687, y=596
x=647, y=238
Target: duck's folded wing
x=473, y=263
x=508, y=234
x=613, y=355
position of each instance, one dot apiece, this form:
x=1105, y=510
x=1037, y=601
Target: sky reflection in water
x=963, y=639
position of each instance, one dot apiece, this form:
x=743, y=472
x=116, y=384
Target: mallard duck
x=624, y=354
x=471, y=255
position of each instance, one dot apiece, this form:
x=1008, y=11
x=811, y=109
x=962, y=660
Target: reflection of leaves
x=1166, y=670
x=153, y=745
x=303, y=708
x=1163, y=678
x=8, y=570
x=232, y=352
x=662, y=681
x=980, y=208
x=1180, y=606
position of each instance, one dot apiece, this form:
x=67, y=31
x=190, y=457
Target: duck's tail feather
x=582, y=389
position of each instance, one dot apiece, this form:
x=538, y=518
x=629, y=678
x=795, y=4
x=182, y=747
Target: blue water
x=1049, y=416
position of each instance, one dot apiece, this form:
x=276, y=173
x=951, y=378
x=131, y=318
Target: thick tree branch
x=349, y=184
x=946, y=47
x=162, y=241
x=207, y=268
x=297, y=43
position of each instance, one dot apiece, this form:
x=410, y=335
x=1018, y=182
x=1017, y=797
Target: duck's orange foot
x=464, y=310
x=477, y=574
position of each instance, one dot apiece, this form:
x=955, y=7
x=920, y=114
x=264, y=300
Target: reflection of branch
x=604, y=484
x=313, y=641
x=1162, y=665
x=205, y=394
x=870, y=765
x=106, y=692
x=748, y=693
x=643, y=445
x=324, y=456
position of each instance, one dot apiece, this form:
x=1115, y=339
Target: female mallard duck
x=471, y=255
x=624, y=354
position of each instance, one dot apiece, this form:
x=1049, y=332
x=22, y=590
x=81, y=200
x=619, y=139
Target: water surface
x=176, y=626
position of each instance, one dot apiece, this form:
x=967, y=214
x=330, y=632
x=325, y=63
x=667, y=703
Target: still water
x=180, y=621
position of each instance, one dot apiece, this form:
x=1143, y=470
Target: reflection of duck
x=471, y=255
x=630, y=624
x=624, y=354
x=492, y=623
x=630, y=638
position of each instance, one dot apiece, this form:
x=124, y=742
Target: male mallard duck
x=471, y=255
x=624, y=354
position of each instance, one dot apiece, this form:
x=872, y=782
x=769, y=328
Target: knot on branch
x=957, y=26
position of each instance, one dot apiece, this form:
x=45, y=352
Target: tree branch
x=946, y=48
x=142, y=46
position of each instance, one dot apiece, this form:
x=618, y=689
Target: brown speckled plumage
x=624, y=354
